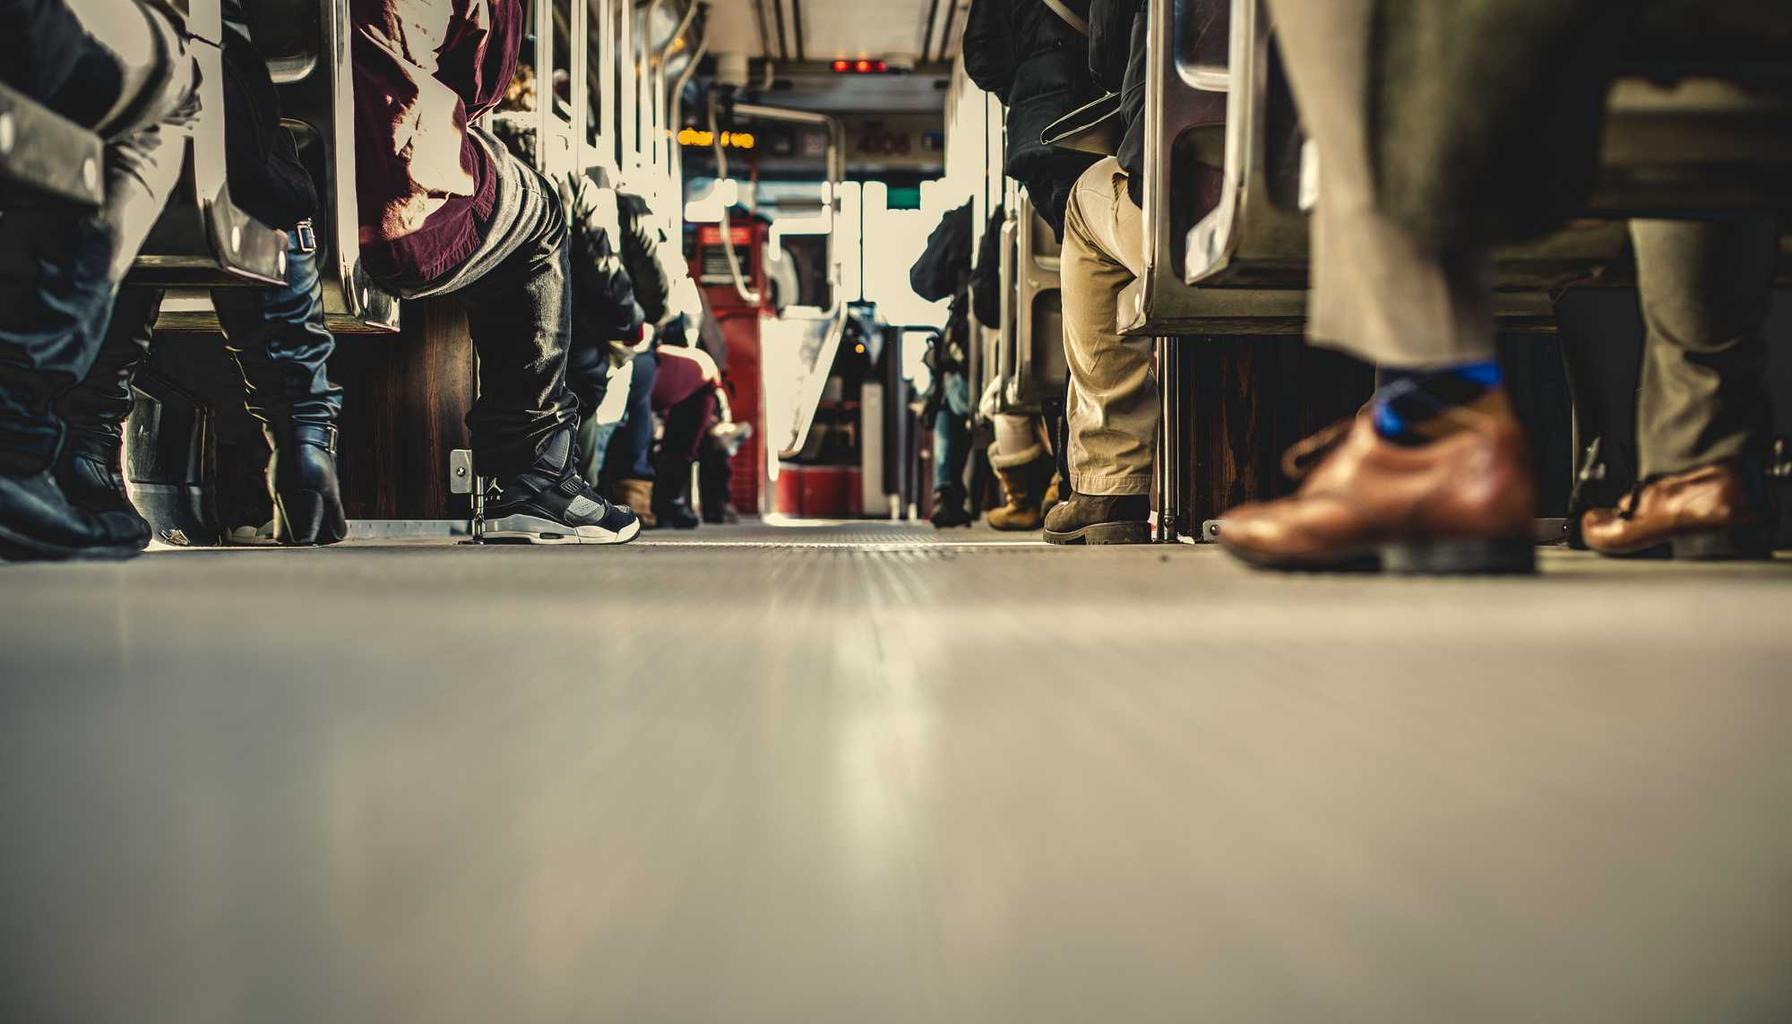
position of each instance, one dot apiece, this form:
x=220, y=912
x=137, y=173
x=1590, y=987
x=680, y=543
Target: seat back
x=312, y=67
x=1206, y=101
x=203, y=237
x=1039, y=371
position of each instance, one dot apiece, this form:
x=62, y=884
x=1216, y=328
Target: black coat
x=1117, y=64
x=986, y=276
x=1037, y=65
x=946, y=261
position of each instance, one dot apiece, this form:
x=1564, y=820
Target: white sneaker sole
x=536, y=530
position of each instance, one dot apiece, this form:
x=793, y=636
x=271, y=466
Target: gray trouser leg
x=1377, y=293
x=1706, y=290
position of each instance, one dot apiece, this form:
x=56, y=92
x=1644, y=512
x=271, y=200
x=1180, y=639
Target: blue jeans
x=59, y=275
x=631, y=449
x=952, y=433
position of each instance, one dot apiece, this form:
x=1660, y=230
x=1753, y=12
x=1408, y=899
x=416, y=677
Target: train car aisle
x=864, y=773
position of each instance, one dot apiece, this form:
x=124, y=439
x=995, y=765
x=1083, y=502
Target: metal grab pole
x=1169, y=440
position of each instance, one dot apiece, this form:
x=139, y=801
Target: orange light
x=843, y=65
x=864, y=66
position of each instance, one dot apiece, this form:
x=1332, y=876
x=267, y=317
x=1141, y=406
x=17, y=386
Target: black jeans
x=519, y=311
x=60, y=271
x=275, y=333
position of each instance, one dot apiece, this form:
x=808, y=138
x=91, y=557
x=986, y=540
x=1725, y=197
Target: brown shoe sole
x=1103, y=533
x=1499, y=557
x=1724, y=544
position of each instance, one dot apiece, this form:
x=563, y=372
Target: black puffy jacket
x=986, y=275
x=1037, y=65
x=946, y=261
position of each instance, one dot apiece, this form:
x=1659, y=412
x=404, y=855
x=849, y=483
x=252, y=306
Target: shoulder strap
x=1071, y=18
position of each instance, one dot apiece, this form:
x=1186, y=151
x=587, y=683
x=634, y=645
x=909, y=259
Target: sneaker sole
x=536, y=530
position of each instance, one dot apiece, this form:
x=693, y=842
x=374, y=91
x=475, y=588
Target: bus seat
x=203, y=237
x=46, y=153
x=317, y=98
x=1193, y=110
x=1039, y=372
x=1678, y=141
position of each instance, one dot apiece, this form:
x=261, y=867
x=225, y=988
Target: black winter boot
x=90, y=472
x=37, y=523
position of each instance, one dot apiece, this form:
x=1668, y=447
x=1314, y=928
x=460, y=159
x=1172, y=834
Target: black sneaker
x=569, y=512
x=551, y=504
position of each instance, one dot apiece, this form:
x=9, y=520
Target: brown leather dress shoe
x=1463, y=503
x=1706, y=513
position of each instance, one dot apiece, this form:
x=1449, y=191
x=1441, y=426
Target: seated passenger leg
x=687, y=423
x=90, y=469
x=59, y=276
x=951, y=450
x=1703, y=419
x=523, y=425
x=279, y=340
x=1112, y=405
x=1024, y=466
x=1433, y=476
x=629, y=463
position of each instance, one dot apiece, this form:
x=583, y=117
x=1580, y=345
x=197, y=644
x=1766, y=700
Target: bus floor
x=855, y=773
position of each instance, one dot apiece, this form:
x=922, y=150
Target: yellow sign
x=705, y=139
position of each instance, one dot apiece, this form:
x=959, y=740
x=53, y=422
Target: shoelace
x=1306, y=454
x=1632, y=500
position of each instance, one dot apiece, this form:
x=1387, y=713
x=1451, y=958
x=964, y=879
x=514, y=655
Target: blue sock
x=1407, y=406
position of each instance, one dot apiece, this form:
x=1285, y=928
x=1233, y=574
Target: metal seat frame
x=203, y=238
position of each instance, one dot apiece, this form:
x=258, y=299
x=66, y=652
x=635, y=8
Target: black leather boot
x=37, y=523
x=302, y=477
x=90, y=473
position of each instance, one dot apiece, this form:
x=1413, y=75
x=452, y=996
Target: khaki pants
x=1112, y=404
x=1376, y=293
x=1706, y=289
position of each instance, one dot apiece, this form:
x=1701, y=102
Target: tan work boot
x=1023, y=488
x=638, y=496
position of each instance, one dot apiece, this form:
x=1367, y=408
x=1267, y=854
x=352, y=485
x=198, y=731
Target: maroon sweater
x=424, y=69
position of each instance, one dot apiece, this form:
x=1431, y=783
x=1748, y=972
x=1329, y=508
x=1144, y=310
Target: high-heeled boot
x=302, y=479
x=279, y=339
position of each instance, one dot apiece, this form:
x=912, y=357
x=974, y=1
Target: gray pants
x=1377, y=293
x=1386, y=298
x=1706, y=290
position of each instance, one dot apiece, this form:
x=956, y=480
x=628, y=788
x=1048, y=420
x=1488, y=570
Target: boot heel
x=1728, y=544
x=1508, y=557
x=307, y=518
